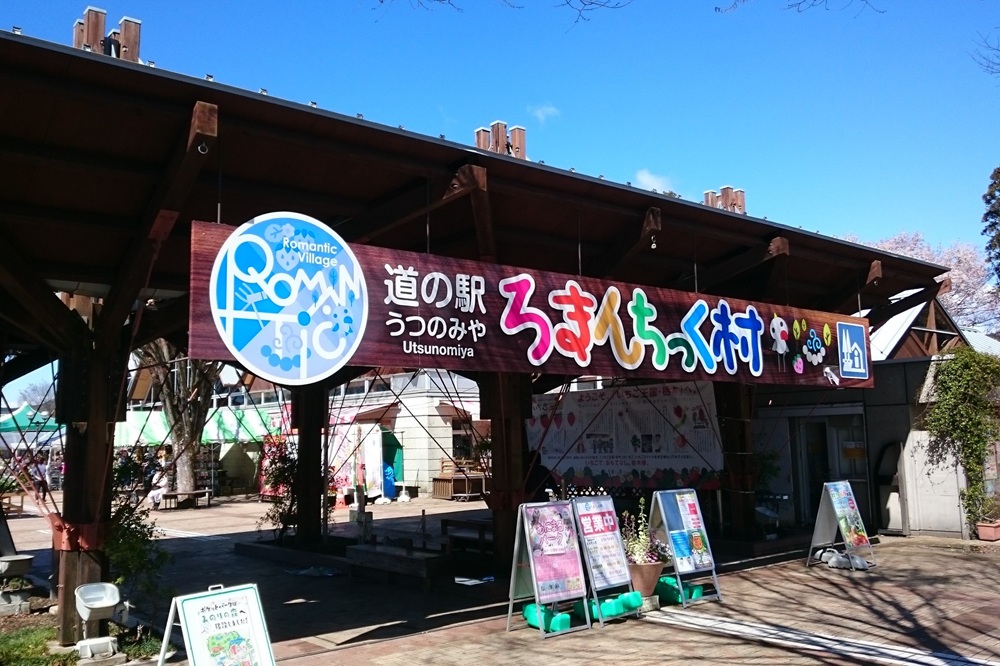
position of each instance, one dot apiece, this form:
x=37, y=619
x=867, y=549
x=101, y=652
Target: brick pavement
x=935, y=597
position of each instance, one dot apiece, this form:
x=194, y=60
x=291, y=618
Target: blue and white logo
x=288, y=298
x=852, y=351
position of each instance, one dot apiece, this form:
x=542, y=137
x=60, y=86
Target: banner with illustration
x=554, y=552
x=293, y=302
x=223, y=626
x=852, y=528
x=660, y=436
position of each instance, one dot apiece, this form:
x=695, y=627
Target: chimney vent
x=727, y=199
x=496, y=139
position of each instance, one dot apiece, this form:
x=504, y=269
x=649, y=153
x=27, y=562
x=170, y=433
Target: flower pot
x=645, y=576
x=988, y=531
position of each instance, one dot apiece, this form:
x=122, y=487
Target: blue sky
x=840, y=121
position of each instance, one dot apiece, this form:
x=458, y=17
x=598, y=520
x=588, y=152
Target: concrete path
x=928, y=601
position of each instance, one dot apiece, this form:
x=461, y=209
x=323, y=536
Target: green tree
x=963, y=422
x=186, y=389
x=991, y=221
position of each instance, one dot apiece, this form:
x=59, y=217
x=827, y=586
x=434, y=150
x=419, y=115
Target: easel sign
x=603, y=551
x=675, y=518
x=547, y=565
x=224, y=625
x=838, y=512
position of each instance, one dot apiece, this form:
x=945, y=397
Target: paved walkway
x=929, y=601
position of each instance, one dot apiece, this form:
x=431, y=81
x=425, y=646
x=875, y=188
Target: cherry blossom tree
x=974, y=299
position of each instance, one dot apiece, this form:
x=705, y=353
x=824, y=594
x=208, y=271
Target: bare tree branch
x=805, y=5
x=987, y=55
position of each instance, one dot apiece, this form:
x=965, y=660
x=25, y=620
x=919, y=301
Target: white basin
x=15, y=565
x=96, y=601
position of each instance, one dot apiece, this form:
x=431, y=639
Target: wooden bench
x=7, y=502
x=459, y=479
x=171, y=498
x=390, y=560
x=468, y=530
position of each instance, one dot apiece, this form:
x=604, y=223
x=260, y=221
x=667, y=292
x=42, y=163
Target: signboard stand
x=675, y=518
x=547, y=567
x=838, y=512
x=221, y=621
x=603, y=551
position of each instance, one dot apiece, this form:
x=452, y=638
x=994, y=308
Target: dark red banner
x=438, y=312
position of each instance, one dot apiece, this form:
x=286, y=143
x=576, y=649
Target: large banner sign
x=287, y=298
x=661, y=436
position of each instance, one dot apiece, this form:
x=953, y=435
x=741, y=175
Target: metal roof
x=100, y=155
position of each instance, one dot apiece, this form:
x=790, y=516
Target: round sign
x=288, y=298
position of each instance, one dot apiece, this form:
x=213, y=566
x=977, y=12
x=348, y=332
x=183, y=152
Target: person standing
x=39, y=471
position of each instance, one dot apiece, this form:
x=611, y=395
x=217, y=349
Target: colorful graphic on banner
x=440, y=312
x=663, y=436
x=288, y=298
x=602, y=541
x=691, y=543
x=553, y=548
x=852, y=528
x=224, y=627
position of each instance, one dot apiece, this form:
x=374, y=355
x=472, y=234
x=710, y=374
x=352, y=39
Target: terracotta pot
x=645, y=576
x=988, y=531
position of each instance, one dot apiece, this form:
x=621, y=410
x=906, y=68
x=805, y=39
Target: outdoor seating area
x=462, y=532
x=173, y=498
x=12, y=504
x=393, y=561
x=459, y=479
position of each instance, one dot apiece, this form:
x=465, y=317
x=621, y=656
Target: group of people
x=152, y=469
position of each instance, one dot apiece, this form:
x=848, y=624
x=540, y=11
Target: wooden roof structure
x=106, y=162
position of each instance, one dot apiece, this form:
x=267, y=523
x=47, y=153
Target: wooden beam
x=24, y=364
x=62, y=327
x=734, y=266
x=845, y=298
x=416, y=200
x=158, y=221
x=885, y=313
x=162, y=321
x=626, y=247
x=482, y=214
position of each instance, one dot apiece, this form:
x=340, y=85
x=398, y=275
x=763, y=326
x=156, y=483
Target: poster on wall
x=660, y=436
x=223, y=626
x=289, y=299
x=838, y=513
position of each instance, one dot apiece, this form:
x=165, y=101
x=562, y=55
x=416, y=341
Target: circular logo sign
x=288, y=298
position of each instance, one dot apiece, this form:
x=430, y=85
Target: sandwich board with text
x=675, y=518
x=547, y=565
x=221, y=625
x=838, y=512
x=603, y=551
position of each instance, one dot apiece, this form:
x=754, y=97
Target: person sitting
x=160, y=485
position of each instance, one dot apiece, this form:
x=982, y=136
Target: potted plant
x=988, y=526
x=645, y=553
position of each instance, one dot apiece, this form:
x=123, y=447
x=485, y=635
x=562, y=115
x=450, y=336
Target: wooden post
x=735, y=407
x=506, y=401
x=91, y=381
